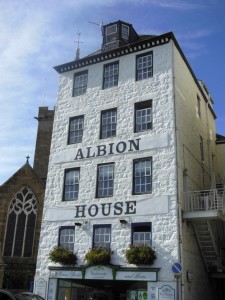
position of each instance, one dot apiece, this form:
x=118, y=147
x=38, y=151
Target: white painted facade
x=175, y=130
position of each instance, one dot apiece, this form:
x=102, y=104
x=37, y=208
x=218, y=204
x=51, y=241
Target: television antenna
x=100, y=25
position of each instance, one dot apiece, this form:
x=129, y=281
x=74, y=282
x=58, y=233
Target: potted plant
x=62, y=255
x=98, y=256
x=140, y=255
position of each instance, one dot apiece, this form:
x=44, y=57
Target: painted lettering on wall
x=105, y=209
x=110, y=149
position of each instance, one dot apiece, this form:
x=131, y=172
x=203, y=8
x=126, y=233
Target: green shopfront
x=99, y=283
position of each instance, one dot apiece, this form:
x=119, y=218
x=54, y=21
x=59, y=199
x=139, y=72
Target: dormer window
x=118, y=34
x=111, y=33
x=125, y=32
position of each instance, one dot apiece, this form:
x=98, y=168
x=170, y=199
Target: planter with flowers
x=62, y=255
x=98, y=256
x=140, y=255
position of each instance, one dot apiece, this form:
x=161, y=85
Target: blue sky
x=37, y=35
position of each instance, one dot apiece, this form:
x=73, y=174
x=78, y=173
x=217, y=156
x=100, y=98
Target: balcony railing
x=205, y=200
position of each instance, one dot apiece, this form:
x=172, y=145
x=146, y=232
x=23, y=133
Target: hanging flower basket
x=140, y=255
x=62, y=255
x=98, y=256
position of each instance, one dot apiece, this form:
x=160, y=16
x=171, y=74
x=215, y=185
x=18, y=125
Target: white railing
x=205, y=200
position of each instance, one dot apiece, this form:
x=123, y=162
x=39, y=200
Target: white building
x=133, y=141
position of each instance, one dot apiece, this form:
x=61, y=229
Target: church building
x=21, y=205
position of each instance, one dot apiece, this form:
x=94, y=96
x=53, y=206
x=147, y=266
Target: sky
x=36, y=35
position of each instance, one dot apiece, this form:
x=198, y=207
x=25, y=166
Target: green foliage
x=140, y=255
x=62, y=255
x=98, y=256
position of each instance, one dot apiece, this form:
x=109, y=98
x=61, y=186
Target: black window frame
x=147, y=104
x=143, y=226
x=201, y=145
x=111, y=37
x=199, y=106
x=62, y=228
x=69, y=131
x=104, y=87
x=83, y=87
x=150, y=53
x=97, y=226
x=108, y=124
x=134, y=177
x=123, y=35
x=64, y=183
x=97, y=181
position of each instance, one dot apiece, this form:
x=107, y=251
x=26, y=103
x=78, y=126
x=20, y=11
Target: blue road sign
x=177, y=268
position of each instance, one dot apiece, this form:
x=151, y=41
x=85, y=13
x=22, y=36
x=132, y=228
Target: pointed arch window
x=21, y=222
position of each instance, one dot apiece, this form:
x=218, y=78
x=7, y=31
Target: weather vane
x=78, y=45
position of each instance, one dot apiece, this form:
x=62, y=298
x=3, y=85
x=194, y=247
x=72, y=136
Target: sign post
x=177, y=270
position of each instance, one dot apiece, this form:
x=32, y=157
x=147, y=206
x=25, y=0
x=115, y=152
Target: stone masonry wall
x=159, y=89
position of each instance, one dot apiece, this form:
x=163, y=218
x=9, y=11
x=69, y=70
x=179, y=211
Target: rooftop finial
x=27, y=159
x=78, y=45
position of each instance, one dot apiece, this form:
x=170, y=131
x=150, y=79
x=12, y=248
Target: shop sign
x=121, y=147
x=40, y=287
x=166, y=292
x=66, y=274
x=151, y=205
x=99, y=272
x=137, y=276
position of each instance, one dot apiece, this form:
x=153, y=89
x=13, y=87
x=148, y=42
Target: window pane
x=80, y=83
x=108, y=123
x=76, y=130
x=111, y=72
x=142, y=176
x=144, y=67
x=105, y=180
x=142, y=234
x=71, y=184
x=102, y=237
x=66, y=238
x=143, y=116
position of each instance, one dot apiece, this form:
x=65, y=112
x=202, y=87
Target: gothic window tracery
x=21, y=221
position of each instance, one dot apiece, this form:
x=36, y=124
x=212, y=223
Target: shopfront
x=100, y=283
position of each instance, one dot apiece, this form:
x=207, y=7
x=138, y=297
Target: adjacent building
x=134, y=160
x=21, y=205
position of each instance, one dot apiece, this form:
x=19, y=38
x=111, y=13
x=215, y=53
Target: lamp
x=78, y=224
x=123, y=221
